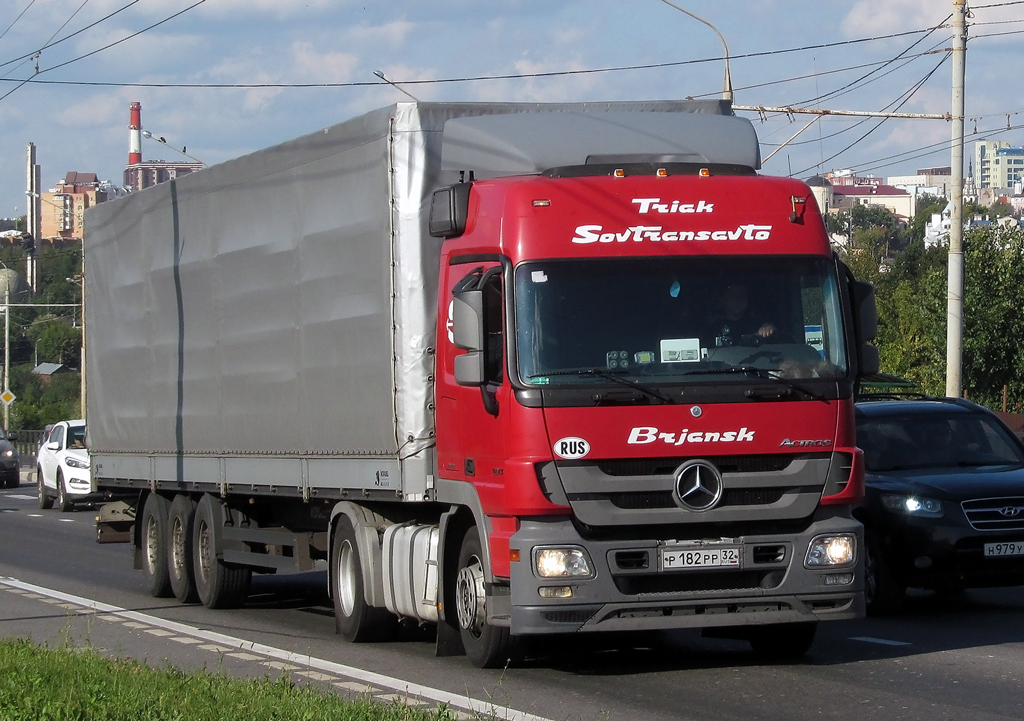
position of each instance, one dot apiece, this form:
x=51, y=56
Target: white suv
x=62, y=467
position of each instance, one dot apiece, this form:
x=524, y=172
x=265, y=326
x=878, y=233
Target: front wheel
x=884, y=594
x=45, y=501
x=486, y=646
x=783, y=640
x=354, y=618
x=63, y=500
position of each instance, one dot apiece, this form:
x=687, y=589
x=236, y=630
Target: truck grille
x=995, y=514
x=663, y=499
x=766, y=463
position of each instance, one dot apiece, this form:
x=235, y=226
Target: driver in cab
x=731, y=317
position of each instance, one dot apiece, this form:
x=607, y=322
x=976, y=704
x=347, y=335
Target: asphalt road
x=953, y=657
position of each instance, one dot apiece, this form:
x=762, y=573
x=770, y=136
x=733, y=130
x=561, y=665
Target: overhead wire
x=909, y=94
x=15, y=21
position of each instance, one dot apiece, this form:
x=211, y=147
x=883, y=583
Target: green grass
x=44, y=684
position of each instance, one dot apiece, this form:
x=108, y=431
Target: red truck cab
x=645, y=381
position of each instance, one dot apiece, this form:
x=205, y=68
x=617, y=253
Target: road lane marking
x=881, y=641
x=22, y=497
x=483, y=707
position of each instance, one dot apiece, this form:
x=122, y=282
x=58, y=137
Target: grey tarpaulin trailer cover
x=269, y=321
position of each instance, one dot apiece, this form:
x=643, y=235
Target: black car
x=944, y=502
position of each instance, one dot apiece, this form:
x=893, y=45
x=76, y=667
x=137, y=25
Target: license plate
x=713, y=557
x=1010, y=548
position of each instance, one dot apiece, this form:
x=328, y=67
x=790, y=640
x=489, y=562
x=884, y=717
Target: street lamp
x=727, y=92
x=380, y=75
x=160, y=139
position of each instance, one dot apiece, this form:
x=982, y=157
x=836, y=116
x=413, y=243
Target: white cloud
x=871, y=17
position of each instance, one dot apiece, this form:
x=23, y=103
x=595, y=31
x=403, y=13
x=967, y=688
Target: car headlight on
x=8, y=453
x=834, y=550
x=562, y=562
x=913, y=505
x=77, y=463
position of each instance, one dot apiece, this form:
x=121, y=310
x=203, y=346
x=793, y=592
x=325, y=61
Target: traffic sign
x=7, y=397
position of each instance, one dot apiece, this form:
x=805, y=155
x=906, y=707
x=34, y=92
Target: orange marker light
x=513, y=555
x=705, y=173
x=662, y=173
x=619, y=173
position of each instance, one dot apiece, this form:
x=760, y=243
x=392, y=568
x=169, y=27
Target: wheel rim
x=152, y=543
x=61, y=497
x=470, y=597
x=347, y=571
x=177, y=548
x=203, y=536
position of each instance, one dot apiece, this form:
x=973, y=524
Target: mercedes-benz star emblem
x=698, y=486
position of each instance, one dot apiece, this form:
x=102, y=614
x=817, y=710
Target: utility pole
x=7, y=351
x=955, y=280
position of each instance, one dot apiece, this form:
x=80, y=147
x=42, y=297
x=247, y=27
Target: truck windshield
x=707, y=319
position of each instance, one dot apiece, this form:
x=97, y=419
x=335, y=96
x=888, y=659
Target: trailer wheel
x=179, y=549
x=354, y=618
x=219, y=585
x=154, y=546
x=783, y=640
x=45, y=502
x=486, y=646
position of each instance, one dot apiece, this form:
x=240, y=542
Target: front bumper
x=628, y=592
x=940, y=553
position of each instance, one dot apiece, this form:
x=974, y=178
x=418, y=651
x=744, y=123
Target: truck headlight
x=562, y=562
x=76, y=463
x=835, y=550
x=913, y=505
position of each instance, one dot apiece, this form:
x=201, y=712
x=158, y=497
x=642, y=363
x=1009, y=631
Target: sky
x=800, y=53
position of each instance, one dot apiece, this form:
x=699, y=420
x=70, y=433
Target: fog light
x=837, y=550
x=838, y=579
x=555, y=591
x=557, y=562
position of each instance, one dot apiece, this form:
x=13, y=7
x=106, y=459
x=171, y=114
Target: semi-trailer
x=508, y=368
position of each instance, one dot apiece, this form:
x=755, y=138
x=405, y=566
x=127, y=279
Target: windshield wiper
x=609, y=375
x=770, y=374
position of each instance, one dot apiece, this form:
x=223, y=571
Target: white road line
x=474, y=705
x=22, y=497
x=881, y=641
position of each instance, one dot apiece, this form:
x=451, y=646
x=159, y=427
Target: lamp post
x=727, y=91
x=163, y=141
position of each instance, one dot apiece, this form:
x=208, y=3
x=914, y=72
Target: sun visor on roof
x=530, y=142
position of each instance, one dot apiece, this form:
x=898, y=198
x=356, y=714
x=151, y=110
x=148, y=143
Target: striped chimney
x=135, y=135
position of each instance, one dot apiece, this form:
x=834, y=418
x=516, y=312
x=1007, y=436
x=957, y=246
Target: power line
x=68, y=37
x=909, y=94
x=484, y=78
x=33, y=2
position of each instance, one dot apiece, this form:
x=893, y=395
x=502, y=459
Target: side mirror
x=864, y=309
x=449, y=211
x=54, y=446
x=12, y=435
x=468, y=335
x=870, y=362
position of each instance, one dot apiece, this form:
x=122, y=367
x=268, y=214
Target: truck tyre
x=884, y=593
x=783, y=640
x=218, y=584
x=179, y=549
x=45, y=501
x=486, y=646
x=154, y=546
x=354, y=618
x=63, y=501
